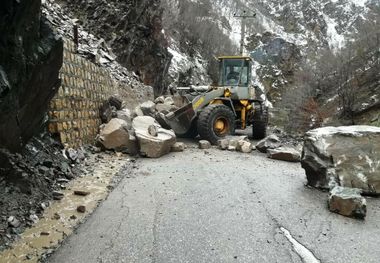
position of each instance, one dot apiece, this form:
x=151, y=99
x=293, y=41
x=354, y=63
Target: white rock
x=114, y=135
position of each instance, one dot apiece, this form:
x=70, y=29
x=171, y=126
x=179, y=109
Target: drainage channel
x=305, y=254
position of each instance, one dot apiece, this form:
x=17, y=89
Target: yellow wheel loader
x=216, y=111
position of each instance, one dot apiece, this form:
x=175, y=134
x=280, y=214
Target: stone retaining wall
x=74, y=112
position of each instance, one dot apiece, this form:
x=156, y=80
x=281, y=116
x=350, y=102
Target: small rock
x=148, y=108
x=347, y=202
x=81, y=193
x=45, y=233
x=81, y=209
x=160, y=100
x=244, y=146
x=138, y=112
x=178, y=147
x=34, y=218
x=203, y=144
x=58, y=195
x=223, y=144
x=169, y=101
x=13, y=222
x=233, y=143
x=231, y=148
x=153, y=130
x=56, y=216
x=285, y=154
x=71, y=154
x=116, y=102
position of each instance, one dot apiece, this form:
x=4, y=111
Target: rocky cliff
x=30, y=58
x=133, y=29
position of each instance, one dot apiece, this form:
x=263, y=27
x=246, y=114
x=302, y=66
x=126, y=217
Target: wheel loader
x=217, y=111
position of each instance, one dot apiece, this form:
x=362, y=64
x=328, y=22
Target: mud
x=61, y=218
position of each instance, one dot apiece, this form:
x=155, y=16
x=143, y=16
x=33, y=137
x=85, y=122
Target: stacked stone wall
x=74, y=111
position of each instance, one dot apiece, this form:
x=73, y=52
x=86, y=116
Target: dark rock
x=105, y=112
x=81, y=192
x=116, y=102
x=57, y=195
x=81, y=209
x=30, y=60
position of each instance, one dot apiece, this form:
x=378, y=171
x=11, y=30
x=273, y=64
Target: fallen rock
x=116, y=102
x=160, y=99
x=203, y=144
x=347, y=202
x=178, y=147
x=270, y=142
x=58, y=195
x=81, y=193
x=231, y=148
x=13, y=222
x=105, y=112
x=125, y=115
x=138, y=112
x=169, y=101
x=223, y=144
x=148, y=108
x=81, y=209
x=285, y=154
x=347, y=156
x=165, y=108
x=153, y=130
x=114, y=135
x=244, y=146
x=152, y=146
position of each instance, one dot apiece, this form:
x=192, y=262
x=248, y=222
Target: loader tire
x=260, y=123
x=192, y=132
x=216, y=122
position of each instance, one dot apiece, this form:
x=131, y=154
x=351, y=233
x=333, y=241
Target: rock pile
x=138, y=132
x=236, y=143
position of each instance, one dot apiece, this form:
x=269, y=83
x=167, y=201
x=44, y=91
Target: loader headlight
x=227, y=93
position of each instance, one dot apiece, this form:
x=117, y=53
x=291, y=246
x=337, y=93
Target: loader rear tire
x=260, y=123
x=216, y=122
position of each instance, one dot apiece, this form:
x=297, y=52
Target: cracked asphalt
x=214, y=206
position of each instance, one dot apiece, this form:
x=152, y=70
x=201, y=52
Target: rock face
x=285, y=154
x=152, y=146
x=30, y=59
x=346, y=156
x=347, y=202
x=114, y=135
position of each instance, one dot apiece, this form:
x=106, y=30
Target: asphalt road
x=214, y=206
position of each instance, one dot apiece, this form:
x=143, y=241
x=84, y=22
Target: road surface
x=213, y=206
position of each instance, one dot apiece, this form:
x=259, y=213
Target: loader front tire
x=216, y=122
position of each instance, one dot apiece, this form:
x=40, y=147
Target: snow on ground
x=336, y=41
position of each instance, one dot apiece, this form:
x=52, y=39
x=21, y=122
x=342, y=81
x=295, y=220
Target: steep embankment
x=30, y=58
x=133, y=29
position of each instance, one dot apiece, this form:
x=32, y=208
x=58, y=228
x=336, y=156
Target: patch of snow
x=336, y=41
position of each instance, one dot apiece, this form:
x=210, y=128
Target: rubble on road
x=178, y=147
x=270, y=142
x=236, y=143
x=344, y=156
x=347, y=202
x=152, y=146
x=203, y=144
x=289, y=154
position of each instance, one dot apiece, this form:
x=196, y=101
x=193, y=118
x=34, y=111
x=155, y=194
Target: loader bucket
x=180, y=120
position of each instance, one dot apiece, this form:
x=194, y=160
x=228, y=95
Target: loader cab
x=235, y=71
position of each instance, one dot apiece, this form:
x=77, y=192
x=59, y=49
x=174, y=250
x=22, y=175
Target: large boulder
x=346, y=156
x=114, y=135
x=148, y=108
x=152, y=146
